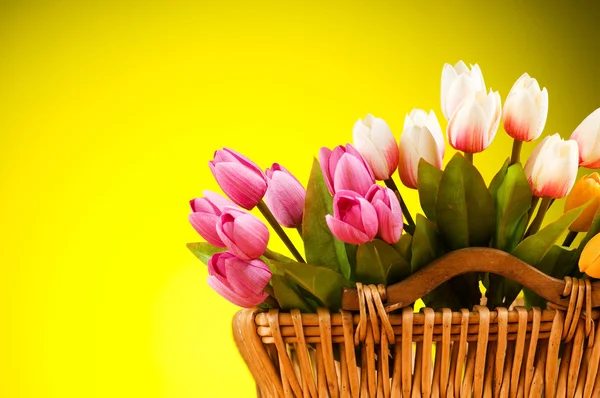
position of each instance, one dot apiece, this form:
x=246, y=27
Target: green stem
x=516, y=152
x=570, y=238
x=392, y=185
x=264, y=209
x=534, y=202
x=469, y=157
x=299, y=229
x=539, y=217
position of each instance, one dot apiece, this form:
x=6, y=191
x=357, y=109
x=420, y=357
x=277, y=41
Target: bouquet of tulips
x=355, y=229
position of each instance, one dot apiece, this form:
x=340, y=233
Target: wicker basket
x=375, y=348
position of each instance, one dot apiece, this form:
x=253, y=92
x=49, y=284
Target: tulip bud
x=421, y=139
x=589, y=262
x=474, y=124
x=244, y=234
x=458, y=83
x=241, y=282
x=285, y=196
x=389, y=213
x=525, y=109
x=376, y=143
x=585, y=190
x=354, y=219
x=587, y=135
x=206, y=213
x=344, y=168
x=552, y=167
x=241, y=180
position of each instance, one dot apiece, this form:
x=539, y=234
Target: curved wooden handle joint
x=473, y=260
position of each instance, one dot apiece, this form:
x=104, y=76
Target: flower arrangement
x=355, y=229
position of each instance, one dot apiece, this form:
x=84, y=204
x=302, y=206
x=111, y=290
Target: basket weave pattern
x=376, y=353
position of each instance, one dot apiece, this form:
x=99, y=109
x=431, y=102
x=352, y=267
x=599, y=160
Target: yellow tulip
x=589, y=262
x=585, y=190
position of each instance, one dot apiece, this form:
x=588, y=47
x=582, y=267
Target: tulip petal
x=240, y=184
x=542, y=103
x=218, y=200
x=206, y=226
x=462, y=88
x=248, y=278
x=587, y=135
x=369, y=218
x=345, y=232
x=250, y=236
x=521, y=116
x=324, y=157
x=372, y=154
x=285, y=198
x=448, y=77
x=351, y=174
x=469, y=127
x=246, y=302
x=390, y=224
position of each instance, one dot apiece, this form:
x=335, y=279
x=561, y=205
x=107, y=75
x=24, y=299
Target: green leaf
x=271, y=255
x=204, y=250
x=572, y=268
x=429, y=178
x=323, y=283
x=320, y=246
x=404, y=247
x=465, y=208
x=499, y=178
x=288, y=296
x=378, y=263
x=425, y=244
x=552, y=264
x=533, y=249
x=513, y=201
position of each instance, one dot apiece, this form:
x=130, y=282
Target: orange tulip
x=589, y=262
x=586, y=189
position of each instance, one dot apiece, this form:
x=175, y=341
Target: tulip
x=474, y=124
x=285, y=196
x=589, y=262
x=241, y=282
x=241, y=180
x=389, y=213
x=418, y=141
x=344, y=168
x=525, y=109
x=458, y=83
x=354, y=219
x=585, y=190
x=243, y=234
x=206, y=213
x=376, y=143
x=552, y=167
x=587, y=135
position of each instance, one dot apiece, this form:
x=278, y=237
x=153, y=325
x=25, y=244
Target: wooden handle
x=474, y=259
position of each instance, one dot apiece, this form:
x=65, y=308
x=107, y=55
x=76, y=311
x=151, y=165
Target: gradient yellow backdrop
x=110, y=110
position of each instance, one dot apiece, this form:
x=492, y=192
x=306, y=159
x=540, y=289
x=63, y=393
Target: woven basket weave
x=382, y=350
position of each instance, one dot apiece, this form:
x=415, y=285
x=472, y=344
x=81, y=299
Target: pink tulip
x=285, y=196
x=552, y=167
x=376, y=143
x=344, y=168
x=475, y=121
x=206, y=213
x=525, y=109
x=354, y=219
x=241, y=282
x=587, y=135
x=421, y=139
x=240, y=179
x=244, y=234
x=389, y=213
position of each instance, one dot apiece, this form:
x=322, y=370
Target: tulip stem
x=570, y=238
x=264, y=209
x=516, y=152
x=469, y=157
x=392, y=185
x=539, y=217
x=299, y=229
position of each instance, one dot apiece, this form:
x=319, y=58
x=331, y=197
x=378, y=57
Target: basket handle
x=474, y=259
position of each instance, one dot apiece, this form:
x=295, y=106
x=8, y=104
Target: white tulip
x=418, y=142
x=474, y=124
x=458, y=83
x=525, y=109
x=552, y=167
x=418, y=117
x=587, y=135
x=375, y=142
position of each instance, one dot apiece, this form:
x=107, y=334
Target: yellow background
x=110, y=110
